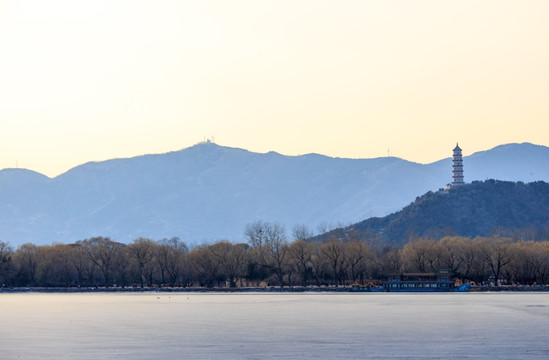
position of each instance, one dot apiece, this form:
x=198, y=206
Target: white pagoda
x=457, y=167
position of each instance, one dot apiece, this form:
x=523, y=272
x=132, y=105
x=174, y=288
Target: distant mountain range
x=209, y=192
x=483, y=208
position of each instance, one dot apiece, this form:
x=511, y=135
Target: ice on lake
x=274, y=325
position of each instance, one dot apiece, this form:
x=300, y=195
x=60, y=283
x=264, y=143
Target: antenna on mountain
x=388, y=152
x=213, y=139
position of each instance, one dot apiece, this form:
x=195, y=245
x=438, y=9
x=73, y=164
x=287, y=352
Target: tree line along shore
x=270, y=259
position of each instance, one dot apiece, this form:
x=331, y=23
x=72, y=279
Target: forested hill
x=478, y=209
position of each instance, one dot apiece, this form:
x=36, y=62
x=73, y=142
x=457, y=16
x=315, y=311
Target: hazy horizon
x=91, y=81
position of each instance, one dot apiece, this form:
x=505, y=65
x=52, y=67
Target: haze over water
x=261, y=326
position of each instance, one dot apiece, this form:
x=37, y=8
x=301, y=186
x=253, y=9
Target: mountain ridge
x=209, y=192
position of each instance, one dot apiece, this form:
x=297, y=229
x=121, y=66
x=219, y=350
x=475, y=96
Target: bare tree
x=300, y=257
x=232, y=258
x=171, y=255
x=205, y=265
x=529, y=262
x=142, y=252
x=319, y=264
x=415, y=254
x=269, y=246
x=56, y=267
x=358, y=256
x=256, y=233
x=540, y=261
x=452, y=248
x=6, y=254
x=108, y=256
x=389, y=260
x=27, y=259
x=301, y=232
x=334, y=251
x=81, y=263
x=495, y=253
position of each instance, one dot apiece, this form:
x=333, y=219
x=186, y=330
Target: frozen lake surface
x=280, y=325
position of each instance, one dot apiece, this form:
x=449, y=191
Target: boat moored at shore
x=440, y=281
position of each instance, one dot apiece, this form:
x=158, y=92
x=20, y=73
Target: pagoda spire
x=457, y=167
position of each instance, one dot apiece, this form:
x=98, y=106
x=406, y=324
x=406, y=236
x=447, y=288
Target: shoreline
x=330, y=289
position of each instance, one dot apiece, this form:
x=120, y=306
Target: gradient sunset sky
x=95, y=80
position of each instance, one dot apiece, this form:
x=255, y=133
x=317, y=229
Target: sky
x=94, y=80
